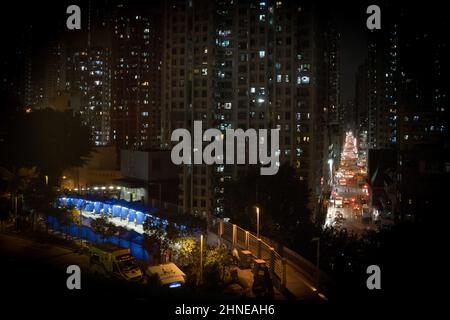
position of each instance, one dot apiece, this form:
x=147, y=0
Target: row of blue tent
x=126, y=239
x=133, y=212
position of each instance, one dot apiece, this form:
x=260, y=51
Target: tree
x=104, y=227
x=160, y=237
x=66, y=216
x=39, y=199
x=36, y=147
x=187, y=251
x=283, y=203
x=47, y=140
x=17, y=181
x=217, y=260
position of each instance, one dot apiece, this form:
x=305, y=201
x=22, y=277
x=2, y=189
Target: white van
x=166, y=275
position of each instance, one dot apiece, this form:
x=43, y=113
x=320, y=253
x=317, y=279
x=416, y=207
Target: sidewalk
x=245, y=277
x=296, y=285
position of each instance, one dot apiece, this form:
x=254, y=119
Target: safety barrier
x=277, y=259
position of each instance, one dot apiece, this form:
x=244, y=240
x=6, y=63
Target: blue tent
x=97, y=207
x=140, y=217
x=124, y=213
x=89, y=206
x=80, y=203
x=133, y=211
x=132, y=215
x=116, y=210
x=106, y=208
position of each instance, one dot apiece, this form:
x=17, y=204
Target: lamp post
x=330, y=162
x=201, y=260
x=257, y=221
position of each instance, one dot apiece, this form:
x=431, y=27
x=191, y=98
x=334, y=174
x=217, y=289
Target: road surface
x=349, y=187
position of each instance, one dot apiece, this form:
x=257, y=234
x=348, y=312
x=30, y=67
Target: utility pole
x=201, y=261
x=257, y=222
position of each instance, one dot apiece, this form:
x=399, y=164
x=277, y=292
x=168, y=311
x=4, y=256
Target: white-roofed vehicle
x=166, y=275
x=111, y=260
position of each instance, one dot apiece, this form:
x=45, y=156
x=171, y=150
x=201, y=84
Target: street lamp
x=257, y=221
x=330, y=163
x=201, y=261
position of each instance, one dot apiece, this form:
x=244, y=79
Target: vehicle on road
x=166, y=275
x=111, y=260
x=338, y=202
x=262, y=281
x=366, y=212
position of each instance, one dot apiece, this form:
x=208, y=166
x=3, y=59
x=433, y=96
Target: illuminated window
x=262, y=54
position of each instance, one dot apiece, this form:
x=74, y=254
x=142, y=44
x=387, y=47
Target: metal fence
x=245, y=240
x=276, y=255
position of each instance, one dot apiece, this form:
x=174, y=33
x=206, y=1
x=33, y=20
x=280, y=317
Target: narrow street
x=348, y=206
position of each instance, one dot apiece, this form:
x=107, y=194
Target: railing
x=277, y=259
x=243, y=239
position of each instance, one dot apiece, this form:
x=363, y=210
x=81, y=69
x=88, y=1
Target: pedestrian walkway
x=297, y=286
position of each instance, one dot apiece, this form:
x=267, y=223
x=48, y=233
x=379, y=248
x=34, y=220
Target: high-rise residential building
x=135, y=85
x=408, y=110
x=333, y=104
x=16, y=83
x=406, y=96
x=187, y=86
x=88, y=84
x=76, y=74
x=361, y=97
x=252, y=64
x=384, y=76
